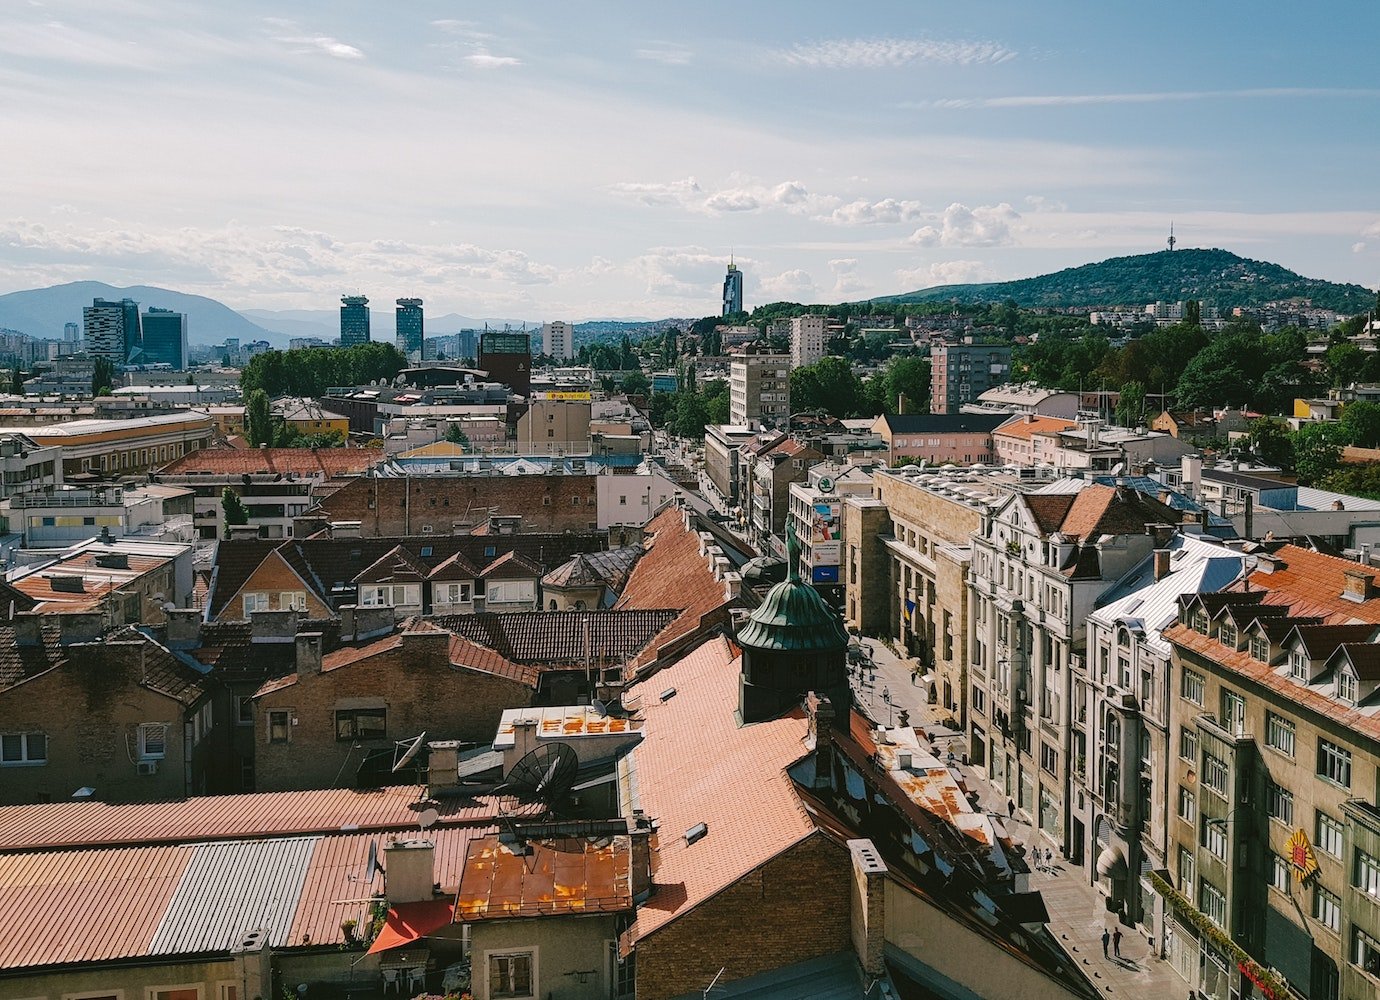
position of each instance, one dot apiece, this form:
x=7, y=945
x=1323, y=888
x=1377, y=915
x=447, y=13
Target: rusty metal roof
x=551, y=877
x=565, y=722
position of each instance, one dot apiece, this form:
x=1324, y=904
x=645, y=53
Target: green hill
x=1216, y=277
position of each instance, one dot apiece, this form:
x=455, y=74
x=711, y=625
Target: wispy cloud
x=487, y=60
x=470, y=37
x=1148, y=97
x=667, y=53
x=879, y=53
x=961, y=226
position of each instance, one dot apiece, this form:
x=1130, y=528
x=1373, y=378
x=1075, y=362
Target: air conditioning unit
x=148, y=767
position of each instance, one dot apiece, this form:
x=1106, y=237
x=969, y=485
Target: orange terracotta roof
x=1106, y=510
x=313, y=462
x=695, y=764
x=1023, y=429
x=557, y=876
x=1311, y=584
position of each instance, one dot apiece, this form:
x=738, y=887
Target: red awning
x=408, y=922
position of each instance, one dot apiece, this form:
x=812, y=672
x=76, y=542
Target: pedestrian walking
x=1116, y=943
x=886, y=695
x=1106, y=937
x=1011, y=808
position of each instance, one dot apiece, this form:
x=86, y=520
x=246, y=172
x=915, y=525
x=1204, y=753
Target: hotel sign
x=1301, y=856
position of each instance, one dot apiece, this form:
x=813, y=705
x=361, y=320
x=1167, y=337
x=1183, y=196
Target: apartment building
x=121, y=447
x=807, y=340
x=773, y=470
x=27, y=465
x=721, y=444
x=959, y=373
x=1029, y=440
x=759, y=390
x=938, y=438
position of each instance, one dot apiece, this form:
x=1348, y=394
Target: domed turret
x=794, y=643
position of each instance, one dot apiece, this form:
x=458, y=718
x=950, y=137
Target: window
x=293, y=600
x=23, y=749
x=255, y=602
x=510, y=975
x=1192, y=687
x=1226, y=634
x=979, y=700
x=1346, y=686
x=1200, y=622
x=1279, y=873
x=1049, y=758
x=1260, y=648
x=1213, y=836
x=201, y=724
x=244, y=710
x=1213, y=903
x=1328, y=835
x=1279, y=733
x=1327, y=908
x=1215, y=773
x=175, y=993
x=359, y=724
x=1367, y=875
x=1279, y=803
x=1365, y=951
x=511, y=591
x=455, y=593
x=1188, y=743
x=1298, y=665
x=1233, y=712
x=153, y=741
x=1188, y=805
x=1187, y=866
x=279, y=726
x=1334, y=763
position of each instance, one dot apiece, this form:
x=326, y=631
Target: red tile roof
x=511, y=566
x=548, y=638
x=1311, y=584
x=1024, y=429
x=695, y=764
x=310, y=462
x=1106, y=510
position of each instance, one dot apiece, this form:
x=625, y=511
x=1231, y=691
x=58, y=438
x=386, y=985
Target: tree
x=1360, y=424
x=1193, y=313
x=909, y=377
x=1317, y=451
x=830, y=384
x=1343, y=362
x=635, y=383
x=1354, y=480
x=102, y=377
x=235, y=512
x=258, y=418
x=1130, y=406
x=456, y=436
x=1271, y=442
x=716, y=400
x=691, y=416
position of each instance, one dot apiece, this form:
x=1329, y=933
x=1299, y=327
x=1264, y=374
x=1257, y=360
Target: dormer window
x=1200, y=622
x=1226, y=634
x=1298, y=665
x=1260, y=648
x=1346, y=686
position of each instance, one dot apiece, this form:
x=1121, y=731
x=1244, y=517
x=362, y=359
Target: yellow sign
x=1301, y=856
x=576, y=397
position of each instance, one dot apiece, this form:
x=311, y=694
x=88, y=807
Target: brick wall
x=274, y=578
x=793, y=908
x=415, y=683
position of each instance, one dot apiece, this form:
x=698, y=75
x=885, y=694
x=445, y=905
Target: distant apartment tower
x=411, y=338
x=759, y=389
x=558, y=340
x=354, y=320
x=959, y=373
x=164, y=338
x=733, y=290
x=507, y=357
x=71, y=332
x=111, y=329
x=807, y=339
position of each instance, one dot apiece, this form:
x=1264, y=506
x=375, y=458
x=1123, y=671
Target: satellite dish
x=428, y=818
x=546, y=773
x=413, y=747
x=372, y=866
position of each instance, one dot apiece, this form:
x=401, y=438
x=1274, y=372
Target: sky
x=594, y=160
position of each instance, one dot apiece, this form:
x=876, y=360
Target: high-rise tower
x=112, y=329
x=411, y=332
x=354, y=320
x=733, y=289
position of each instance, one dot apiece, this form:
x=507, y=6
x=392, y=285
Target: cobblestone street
x=1076, y=908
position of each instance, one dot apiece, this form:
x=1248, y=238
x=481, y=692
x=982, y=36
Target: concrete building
x=1028, y=440
x=772, y=471
x=721, y=444
x=354, y=320
x=807, y=340
x=57, y=516
x=815, y=519
x=558, y=340
x=410, y=328
x=1025, y=397
x=733, y=290
x=164, y=339
x=938, y=438
x=506, y=357
x=27, y=465
x=759, y=390
x=71, y=332
x=111, y=329
x=110, y=448
x=554, y=427
x=959, y=373
x=129, y=581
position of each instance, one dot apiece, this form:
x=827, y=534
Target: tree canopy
x=310, y=372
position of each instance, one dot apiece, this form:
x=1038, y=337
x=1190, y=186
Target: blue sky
x=553, y=160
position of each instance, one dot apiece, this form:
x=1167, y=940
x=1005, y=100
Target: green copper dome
x=793, y=617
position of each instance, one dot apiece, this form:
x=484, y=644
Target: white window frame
x=1347, y=685
x=1279, y=801
x=1327, y=907
x=1216, y=775
x=24, y=759
x=1329, y=834
x=1281, y=734
x=1298, y=665
x=1192, y=686
x=1188, y=744
x=89, y=994
x=1205, y=890
x=292, y=600
x=1280, y=873
x=1213, y=838
x=145, y=730
x=1366, y=875
x=255, y=601
x=287, y=725
x=503, y=953
x=1188, y=805
x=1334, y=763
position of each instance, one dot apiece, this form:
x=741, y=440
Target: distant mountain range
x=1217, y=277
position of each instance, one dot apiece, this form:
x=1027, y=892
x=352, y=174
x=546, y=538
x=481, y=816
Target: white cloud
x=1358, y=247
x=680, y=272
x=666, y=53
x=487, y=60
x=732, y=200
x=1039, y=203
x=948, y=272
x=680, y=192
x=794, y=285
x=846, y=280
x=961, y=226
x=869, y=213
x=874, y=53
x=306, y=44
x=1147, y=97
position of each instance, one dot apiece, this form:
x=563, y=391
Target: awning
x=407, y=922
x=1111, y=863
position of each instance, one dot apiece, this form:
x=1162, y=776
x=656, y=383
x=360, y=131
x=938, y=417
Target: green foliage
x=1317, y=451
x=1130, y=407
x=902, y=376
x=456, y=436
x=235, y=512
x=1062, y=362
x=715, y=395
x=1360, y=424
x=1356, y=480
x=635, y=383
x=309, y=373
x=102, y=377
x=829, y=385
x=1272, y=442
x=285, y=437
x=258, y=418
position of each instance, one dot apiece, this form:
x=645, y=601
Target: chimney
x=426, y=648
x=524, y=738
x=272, y=626
x=901, y=404
x=239, y=532
x=308, y=654
x=820, y=712
x=345, y=529
x=640, y=875
x=358, y=624
x=81, y=626
x=868, y=910
x=442, y=765
x=1359, y=586
x=408, y=871
x=184, y=628
x=1161, y=564
x=733, y=586
x=1027, y=418
x=28, y=628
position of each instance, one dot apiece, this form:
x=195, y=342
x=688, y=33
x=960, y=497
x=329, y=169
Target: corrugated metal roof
x=229, y=889
x=84, y=906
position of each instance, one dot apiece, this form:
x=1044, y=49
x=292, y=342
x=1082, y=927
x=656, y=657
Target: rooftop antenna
x=1172, y=240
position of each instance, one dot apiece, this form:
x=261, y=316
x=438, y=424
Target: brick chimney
x=308, y=653
x=358, y=624
x=819, y=710
x=184, y=628
x=81, y=626
x=28, y=628
x=868, y=912
x=1161, y=557
x=430, y=647
x=272, y=626
x=1359, y=585
x=640, y=875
